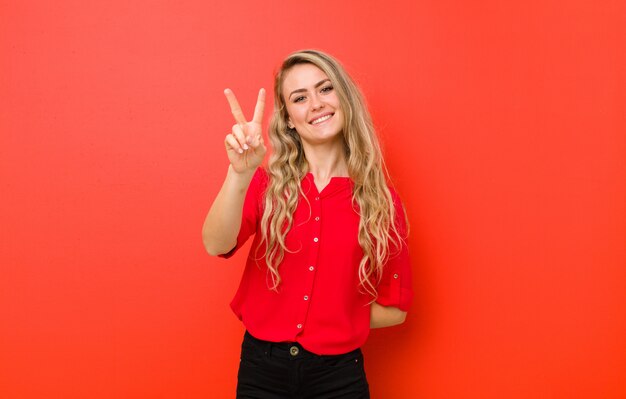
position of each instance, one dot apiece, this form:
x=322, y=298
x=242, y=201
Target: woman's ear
x=289, y=124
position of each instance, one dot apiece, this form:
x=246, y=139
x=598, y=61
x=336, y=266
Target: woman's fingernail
x=245, y=146
x=240, y=151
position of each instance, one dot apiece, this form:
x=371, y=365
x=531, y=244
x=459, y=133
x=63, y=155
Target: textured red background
x=505, y=131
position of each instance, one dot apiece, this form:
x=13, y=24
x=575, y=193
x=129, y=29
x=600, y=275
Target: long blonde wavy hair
x=288, y=165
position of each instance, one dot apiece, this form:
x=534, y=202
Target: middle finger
x=235, y=108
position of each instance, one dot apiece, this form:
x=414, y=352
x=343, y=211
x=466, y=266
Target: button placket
x=311, y=267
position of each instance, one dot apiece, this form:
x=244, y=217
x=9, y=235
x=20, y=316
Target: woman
x=329, y=258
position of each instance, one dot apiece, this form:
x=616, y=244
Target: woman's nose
x=316, y=103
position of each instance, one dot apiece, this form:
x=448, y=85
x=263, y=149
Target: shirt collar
x=336, y=183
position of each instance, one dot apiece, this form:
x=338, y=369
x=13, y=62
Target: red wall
x=504, y=126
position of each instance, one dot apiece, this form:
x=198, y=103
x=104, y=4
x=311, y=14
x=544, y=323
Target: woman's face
x=312, y=104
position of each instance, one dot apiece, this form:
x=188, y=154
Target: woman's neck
x=326, y=161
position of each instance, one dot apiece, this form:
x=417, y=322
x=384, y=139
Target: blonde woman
x=329, y=259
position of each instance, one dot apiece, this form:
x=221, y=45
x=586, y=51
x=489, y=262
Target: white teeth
x=322, y=119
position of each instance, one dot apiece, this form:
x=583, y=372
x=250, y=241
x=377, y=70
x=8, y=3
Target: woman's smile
x=321, y=119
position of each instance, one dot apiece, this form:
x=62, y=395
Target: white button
x=306, y=297
x=299, y=326
x=311, y=268
x=316, y=239
x=317, y=198
x=395, y=275
x=317, y=218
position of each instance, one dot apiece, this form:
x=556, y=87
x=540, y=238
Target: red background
x=505, y=132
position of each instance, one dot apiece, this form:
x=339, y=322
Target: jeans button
x=294, y=351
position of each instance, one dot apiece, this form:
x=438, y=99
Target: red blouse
x=319, y=302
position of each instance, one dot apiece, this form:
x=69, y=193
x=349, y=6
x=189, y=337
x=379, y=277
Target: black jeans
x=284, y=370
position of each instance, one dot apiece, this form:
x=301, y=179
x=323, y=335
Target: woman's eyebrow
x=318, y=84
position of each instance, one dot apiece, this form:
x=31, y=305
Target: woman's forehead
x=302, y=76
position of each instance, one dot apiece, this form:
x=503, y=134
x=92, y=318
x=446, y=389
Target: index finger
x=235, y=108
x=260, y=107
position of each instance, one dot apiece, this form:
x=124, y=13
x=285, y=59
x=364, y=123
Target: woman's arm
x=245, y=150
x=222, y=223
x=385, y=316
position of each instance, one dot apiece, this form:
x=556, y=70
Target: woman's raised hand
x=244, y=145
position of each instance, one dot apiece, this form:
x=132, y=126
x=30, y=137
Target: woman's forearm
x=385, y=316
x=222, y=223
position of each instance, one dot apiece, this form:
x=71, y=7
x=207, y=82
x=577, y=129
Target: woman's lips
x=321, y=119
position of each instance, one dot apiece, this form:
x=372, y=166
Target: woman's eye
x=298, y=99
x=327, y=89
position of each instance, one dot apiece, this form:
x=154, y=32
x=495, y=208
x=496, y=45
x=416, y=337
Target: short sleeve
x=252, y=210
x=395, y=288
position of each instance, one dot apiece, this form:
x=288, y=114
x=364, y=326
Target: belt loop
x=268, y=349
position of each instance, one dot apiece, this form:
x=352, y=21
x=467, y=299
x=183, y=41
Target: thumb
x=258, y=140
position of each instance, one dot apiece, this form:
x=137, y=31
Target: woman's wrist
x=240, y=180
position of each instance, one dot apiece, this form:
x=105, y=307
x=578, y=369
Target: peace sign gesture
x=244, y=145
